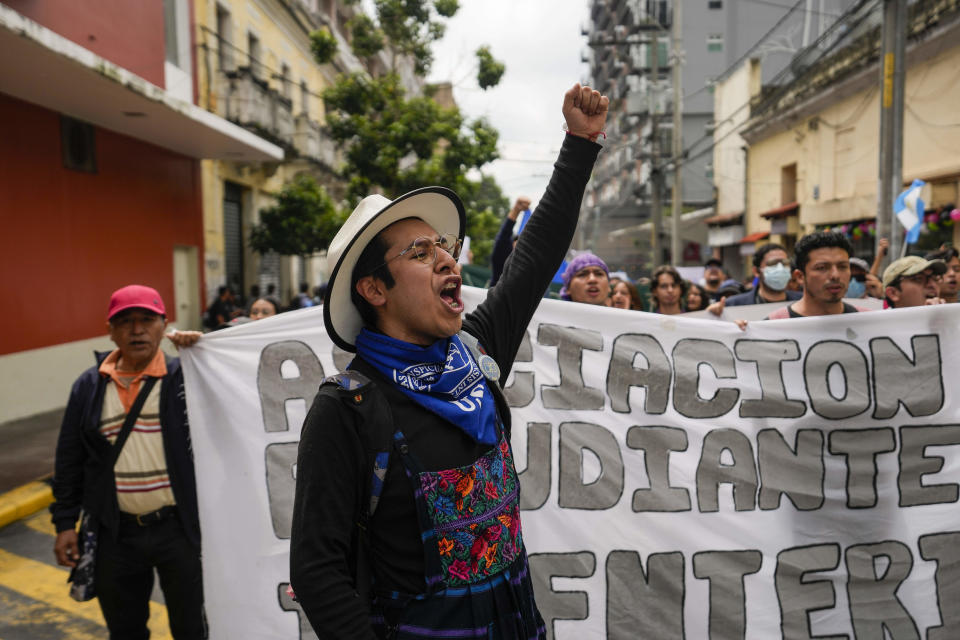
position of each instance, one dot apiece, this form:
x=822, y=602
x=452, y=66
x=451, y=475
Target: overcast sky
x=540, y=43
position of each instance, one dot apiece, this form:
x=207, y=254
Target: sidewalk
x=27, y=449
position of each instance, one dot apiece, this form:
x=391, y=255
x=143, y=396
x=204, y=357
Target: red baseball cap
x=135, y=295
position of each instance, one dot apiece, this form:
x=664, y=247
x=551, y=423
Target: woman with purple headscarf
x=586, y=280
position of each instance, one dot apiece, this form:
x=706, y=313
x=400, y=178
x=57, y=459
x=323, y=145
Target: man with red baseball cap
x=124, y=464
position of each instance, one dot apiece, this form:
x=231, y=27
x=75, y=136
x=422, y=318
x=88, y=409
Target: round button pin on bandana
x=489, y=367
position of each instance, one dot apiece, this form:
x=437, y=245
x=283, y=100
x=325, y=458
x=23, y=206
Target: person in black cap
x=713, y=276
x=417, y=534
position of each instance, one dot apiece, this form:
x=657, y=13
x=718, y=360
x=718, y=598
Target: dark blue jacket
x=79, y=480
x=750, y=297
x=502, y=246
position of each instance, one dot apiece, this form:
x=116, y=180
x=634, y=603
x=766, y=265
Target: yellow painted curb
x=23, y=501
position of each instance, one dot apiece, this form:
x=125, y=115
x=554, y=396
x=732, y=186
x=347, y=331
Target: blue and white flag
x=909, y=209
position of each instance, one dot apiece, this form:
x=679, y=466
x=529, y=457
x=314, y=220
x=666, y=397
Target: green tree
x=398, y=143
x=303, y=221
x=367, y=38
x=489, y=70
x=323, y=45
x=487, y=206
x=394, y=142
x=408, y=27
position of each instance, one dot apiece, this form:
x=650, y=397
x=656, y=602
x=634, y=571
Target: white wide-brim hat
x=439, y=207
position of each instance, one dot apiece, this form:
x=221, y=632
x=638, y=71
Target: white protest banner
x=752, y=312
x=681, y=478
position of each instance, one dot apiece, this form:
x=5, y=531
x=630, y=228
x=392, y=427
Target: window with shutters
x=254, y=53
x=224, y=39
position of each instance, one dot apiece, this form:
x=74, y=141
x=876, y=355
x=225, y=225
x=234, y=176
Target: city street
x=34, y=600
x=703, y=256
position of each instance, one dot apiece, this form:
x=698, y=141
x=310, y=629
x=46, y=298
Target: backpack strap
x=374, y=424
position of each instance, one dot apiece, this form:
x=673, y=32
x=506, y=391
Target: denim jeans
x=124, y=580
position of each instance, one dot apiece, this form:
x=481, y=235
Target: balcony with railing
x=310, y=142
x=248, y=100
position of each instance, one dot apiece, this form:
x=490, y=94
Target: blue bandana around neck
x=443, y=378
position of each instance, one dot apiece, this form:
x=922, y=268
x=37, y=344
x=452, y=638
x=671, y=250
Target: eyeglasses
x=425, y=249
x=923, y=278
x=859, y=277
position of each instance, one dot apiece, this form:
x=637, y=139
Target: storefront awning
x=44, y=68
x=724, y=218
x=790, y=209
x=754, y=237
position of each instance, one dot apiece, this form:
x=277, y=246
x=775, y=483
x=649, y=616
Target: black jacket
x=79, y=480
x=330, y=463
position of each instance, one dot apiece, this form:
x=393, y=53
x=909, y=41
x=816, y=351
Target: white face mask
x=776, y=277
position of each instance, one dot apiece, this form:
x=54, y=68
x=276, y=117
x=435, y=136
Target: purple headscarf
x=582, y=260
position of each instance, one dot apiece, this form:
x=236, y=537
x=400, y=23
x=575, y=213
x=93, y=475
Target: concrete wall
x=697, y=183
x=39, y=380
x=729, y=159
x=129, y=34
x=71, y=238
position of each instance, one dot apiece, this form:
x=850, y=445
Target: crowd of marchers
x=406, y=520
x=815, y=281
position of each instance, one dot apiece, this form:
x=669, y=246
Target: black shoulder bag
x=83, y=587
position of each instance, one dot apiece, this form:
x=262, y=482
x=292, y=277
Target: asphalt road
x=34, y=604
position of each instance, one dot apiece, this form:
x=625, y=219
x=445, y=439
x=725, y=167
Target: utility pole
x=892, y=71
x=656, y=213
x=677, y=55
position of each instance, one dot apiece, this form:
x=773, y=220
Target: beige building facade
x=255, y=68
x=813, y=157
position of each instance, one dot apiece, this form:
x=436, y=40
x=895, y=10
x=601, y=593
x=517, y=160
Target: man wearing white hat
x=406, y=516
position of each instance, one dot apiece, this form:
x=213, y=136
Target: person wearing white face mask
x=771, y=266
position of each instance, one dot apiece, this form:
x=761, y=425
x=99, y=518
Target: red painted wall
x=128, y=33
x=69, y=239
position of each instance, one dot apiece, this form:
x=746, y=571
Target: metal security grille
x=233, y=236
x=269, y=273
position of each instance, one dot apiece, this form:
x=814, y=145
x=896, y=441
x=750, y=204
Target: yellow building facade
x=815, y=164
x=255, y=68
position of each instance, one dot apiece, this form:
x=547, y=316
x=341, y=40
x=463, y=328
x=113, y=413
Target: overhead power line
x=780, y=76
x=776, y=4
